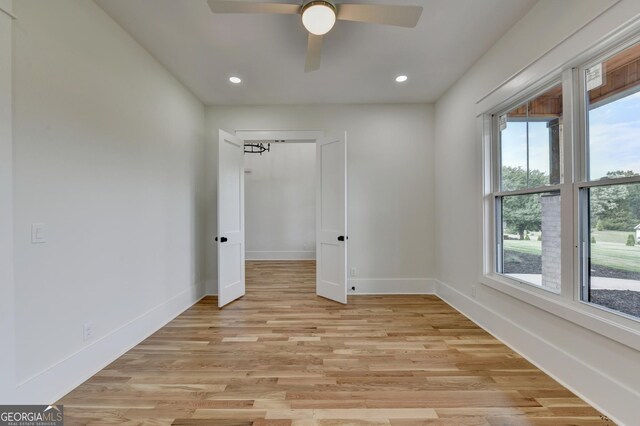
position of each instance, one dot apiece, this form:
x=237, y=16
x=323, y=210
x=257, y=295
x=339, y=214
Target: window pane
x=530, y=249
x=613, y=270
x=614, y=116
x=530, y=142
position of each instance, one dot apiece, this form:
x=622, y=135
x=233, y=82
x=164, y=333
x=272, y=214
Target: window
x=527, y=193
x=569, y=224
x=610, y=188
x=561, y=191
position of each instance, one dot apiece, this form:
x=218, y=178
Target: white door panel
x=231, y=280
x=331, y=218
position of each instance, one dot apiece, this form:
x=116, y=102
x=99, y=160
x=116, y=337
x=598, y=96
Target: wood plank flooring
x=282, y=356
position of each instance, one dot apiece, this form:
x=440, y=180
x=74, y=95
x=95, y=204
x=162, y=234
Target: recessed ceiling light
x=402, y=78
x=235, y=80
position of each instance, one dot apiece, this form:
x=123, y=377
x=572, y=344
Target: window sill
x=609, y=325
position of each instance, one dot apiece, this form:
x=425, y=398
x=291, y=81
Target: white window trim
x=568, y=304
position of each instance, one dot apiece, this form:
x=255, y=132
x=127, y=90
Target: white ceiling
x=359, y=61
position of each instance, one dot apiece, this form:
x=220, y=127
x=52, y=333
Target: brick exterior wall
x=551, y=242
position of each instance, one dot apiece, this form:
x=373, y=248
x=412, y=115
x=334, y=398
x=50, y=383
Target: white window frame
x=568, y=303
x=493, y=191
x=496, y=180
x=582, y=179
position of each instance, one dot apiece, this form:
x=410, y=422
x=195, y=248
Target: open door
x=231, y=284
x=331, y=218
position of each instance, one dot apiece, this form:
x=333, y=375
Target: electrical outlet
x=473, y=291
x=88, y=331
x=37, y=233
x=353, y=272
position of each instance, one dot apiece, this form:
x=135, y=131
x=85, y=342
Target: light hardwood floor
x=282, y=356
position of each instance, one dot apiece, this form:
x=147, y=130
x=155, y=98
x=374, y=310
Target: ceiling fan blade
x=219, y=6
x=401, y=16
x=314, y=51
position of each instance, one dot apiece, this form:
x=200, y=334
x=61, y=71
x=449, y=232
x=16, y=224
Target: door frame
x=291, y=136
x=309, y=136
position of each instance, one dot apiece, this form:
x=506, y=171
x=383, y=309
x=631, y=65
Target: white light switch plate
x=37, y=233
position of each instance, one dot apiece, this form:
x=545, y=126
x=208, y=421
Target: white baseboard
x=596, y=388
x=365, y=286
x=368, y=286
x=280, y=255
x=56, y=381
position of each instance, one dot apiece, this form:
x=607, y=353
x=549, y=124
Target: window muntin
x=613, y=109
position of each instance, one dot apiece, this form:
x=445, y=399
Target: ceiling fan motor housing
x=309, y=3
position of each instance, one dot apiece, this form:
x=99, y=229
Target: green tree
x=616, y=207
x=607, y=205
x=521, y=213
x=631, y=241
x=632, y=206
x=514, y=178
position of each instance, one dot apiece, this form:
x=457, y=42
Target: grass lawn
x=619, y=237
x=608, y=250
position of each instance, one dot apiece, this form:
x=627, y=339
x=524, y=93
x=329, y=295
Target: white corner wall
x=280, y=203
x=599, y=369
x=390, y=174
x=107, y=154
x=7, y=357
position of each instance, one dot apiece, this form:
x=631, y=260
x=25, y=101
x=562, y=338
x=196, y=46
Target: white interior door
x=331, y=218
x=230, y=239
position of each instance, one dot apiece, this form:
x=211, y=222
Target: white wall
x=7, y=357
x=390, y=174
x=107, y=149
x=598, y=368
x=280, y=202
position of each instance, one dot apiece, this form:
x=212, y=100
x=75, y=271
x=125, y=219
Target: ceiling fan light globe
x=319, y=17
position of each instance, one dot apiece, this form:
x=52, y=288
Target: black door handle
x=342, y=238
x=223, y=240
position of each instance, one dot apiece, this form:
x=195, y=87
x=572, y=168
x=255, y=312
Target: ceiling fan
x=319, y=17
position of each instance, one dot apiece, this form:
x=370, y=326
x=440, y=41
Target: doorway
x=280, y=210
x=330, y=208
x=280, y=200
